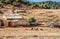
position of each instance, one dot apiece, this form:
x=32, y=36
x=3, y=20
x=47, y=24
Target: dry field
x=43, y=16
x=29, y=33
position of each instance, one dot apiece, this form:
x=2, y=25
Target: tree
x=1, y=1
x=1, y=5
x=23, y=1
x=15, y=3
x=8, y=1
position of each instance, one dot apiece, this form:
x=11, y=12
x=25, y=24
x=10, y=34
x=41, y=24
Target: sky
x=42, y=0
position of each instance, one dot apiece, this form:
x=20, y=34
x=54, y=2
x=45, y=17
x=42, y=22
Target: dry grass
x=44, y=16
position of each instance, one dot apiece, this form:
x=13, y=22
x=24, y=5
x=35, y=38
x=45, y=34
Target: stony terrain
x=28, y=33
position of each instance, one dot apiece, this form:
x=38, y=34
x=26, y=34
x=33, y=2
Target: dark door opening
x=1, y=23
x=9, y=24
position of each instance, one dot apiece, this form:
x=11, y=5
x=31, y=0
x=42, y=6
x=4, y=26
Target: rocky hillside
x=45, y=15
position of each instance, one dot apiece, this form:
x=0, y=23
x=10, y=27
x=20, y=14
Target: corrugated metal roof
x=14, y=16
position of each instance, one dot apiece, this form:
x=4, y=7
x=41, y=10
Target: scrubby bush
x=8, y=1
x=15, y=3
x=32, y=19
x=1, y=5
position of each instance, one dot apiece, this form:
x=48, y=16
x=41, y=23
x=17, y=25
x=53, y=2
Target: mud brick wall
x=5, y=23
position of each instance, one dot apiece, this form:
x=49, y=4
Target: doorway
x=10, y=24
x=1, y=23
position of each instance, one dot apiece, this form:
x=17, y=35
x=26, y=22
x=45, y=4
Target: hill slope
x=45, y=5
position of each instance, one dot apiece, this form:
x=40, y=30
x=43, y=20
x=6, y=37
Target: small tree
x=8, y=1
x=15, y=3
x=1, y=5
x=31, y=20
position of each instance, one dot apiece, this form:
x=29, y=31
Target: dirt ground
x=42, y=16
x=29, y=33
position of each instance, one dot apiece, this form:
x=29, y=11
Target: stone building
x=10, y=19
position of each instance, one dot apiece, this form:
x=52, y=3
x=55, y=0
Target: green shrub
x=1, y=5
x=32, y=19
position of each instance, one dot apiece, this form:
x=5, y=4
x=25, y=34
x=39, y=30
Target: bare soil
x=29, y=33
